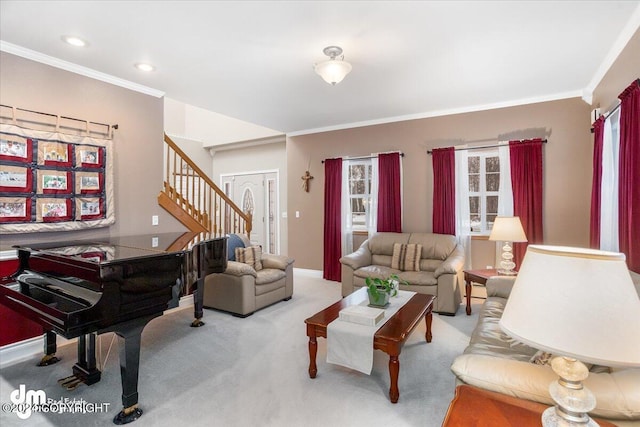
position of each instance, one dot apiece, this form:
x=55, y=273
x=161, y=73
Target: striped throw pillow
x=251, y=255
x=406, y=257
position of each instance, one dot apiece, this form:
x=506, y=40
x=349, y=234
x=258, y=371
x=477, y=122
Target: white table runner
x=351, y=345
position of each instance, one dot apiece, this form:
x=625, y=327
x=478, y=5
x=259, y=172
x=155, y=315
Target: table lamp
x=507, y=229
x=581, y=306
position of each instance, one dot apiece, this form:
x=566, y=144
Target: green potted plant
x=380, y=290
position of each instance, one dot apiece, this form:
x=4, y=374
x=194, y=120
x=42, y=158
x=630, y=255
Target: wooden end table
x=389, y=338
x=477, y=276
x=476, y=407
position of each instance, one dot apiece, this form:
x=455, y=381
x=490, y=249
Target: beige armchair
x=241, y=290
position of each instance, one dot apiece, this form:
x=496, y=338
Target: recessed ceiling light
x=74, y=41
x=144, y=67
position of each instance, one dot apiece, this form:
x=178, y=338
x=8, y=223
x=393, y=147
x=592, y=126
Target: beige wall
x=194, y=150
x=138, y=142
x=567, y=165
x=623, y=71
x=567, y=162
x=267, y=157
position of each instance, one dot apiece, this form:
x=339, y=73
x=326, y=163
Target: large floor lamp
x=580, y=305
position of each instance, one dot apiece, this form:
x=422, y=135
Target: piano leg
x=129, y=337
x=50, y=349
x=198, y=303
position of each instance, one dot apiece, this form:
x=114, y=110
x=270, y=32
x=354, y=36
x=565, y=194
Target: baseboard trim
x=23, y=350
x=308, y=272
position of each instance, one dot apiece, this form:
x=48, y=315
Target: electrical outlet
x=154, y=242
x=297, y=214
x=154, y=220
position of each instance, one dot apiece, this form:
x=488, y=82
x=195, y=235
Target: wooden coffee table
x=389, y=338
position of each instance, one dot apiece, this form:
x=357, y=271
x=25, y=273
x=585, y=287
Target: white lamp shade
x=333, y=70
x=576, y=302
x=508, y=229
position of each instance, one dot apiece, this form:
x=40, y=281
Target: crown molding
x=621, y=42
x=77, y=69
x=439, y=113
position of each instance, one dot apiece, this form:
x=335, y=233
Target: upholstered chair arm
x=236, y=268
x=279, y=262
x=360, y=258
x=500, y=286
x=453, y=264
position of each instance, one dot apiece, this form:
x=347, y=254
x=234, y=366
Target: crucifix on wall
x=305, y=181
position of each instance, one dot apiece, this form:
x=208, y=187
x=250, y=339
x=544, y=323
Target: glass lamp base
x=507, y=263
x=572, y=400
x=551, y=419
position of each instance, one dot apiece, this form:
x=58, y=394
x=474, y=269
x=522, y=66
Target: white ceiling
x=253, y=60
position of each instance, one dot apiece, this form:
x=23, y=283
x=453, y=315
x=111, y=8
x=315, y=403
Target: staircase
x=195, y=200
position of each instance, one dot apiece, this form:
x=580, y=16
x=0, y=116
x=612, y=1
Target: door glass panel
x=248, y=202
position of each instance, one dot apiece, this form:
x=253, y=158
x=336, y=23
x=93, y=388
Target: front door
x=257, y=193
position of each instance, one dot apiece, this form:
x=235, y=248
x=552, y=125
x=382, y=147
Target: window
x=484, y=183
x=360, y=172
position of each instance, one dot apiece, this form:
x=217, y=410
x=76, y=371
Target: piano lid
x=118, y=248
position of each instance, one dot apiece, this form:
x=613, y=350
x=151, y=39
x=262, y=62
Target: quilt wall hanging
x=51, y=181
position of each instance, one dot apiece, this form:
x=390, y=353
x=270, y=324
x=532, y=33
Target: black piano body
x=117, y=284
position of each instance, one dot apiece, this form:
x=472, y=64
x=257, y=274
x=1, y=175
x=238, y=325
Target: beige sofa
x=241, y=290
x=494, y=361
x=440, y=272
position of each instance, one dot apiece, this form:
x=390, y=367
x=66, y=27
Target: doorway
x=257, y=193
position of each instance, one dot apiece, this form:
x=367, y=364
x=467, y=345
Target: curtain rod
x=363, y=157
x=62, y=117
x=544, y=141
x=613, y=110
x=606, y=116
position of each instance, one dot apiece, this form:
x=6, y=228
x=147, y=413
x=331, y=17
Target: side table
x=477, y=276
x=474, y=407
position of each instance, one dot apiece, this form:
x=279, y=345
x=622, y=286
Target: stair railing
x=195, y=200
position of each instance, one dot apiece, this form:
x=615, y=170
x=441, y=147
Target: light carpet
x=253, y=372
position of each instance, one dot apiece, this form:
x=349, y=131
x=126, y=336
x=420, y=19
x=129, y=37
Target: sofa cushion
x=375, y=271
x=434, y=246
x=429, y=264
x=383, y=260
x=269, y=275
x=382, y=243
x=488, y=338
x=406, y=257
x=418, y=278
x=251, y=255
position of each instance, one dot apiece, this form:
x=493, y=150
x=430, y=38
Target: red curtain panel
x=332, y=220
x=629, y=187
x=594, y=227
x=526, y=180
x=444, y=188
x=389, y=200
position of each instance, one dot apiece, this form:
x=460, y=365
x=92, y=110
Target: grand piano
x=80, y=289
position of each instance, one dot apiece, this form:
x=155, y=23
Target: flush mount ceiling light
x=74, y=41
x=334, y=69
x=144, y=67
